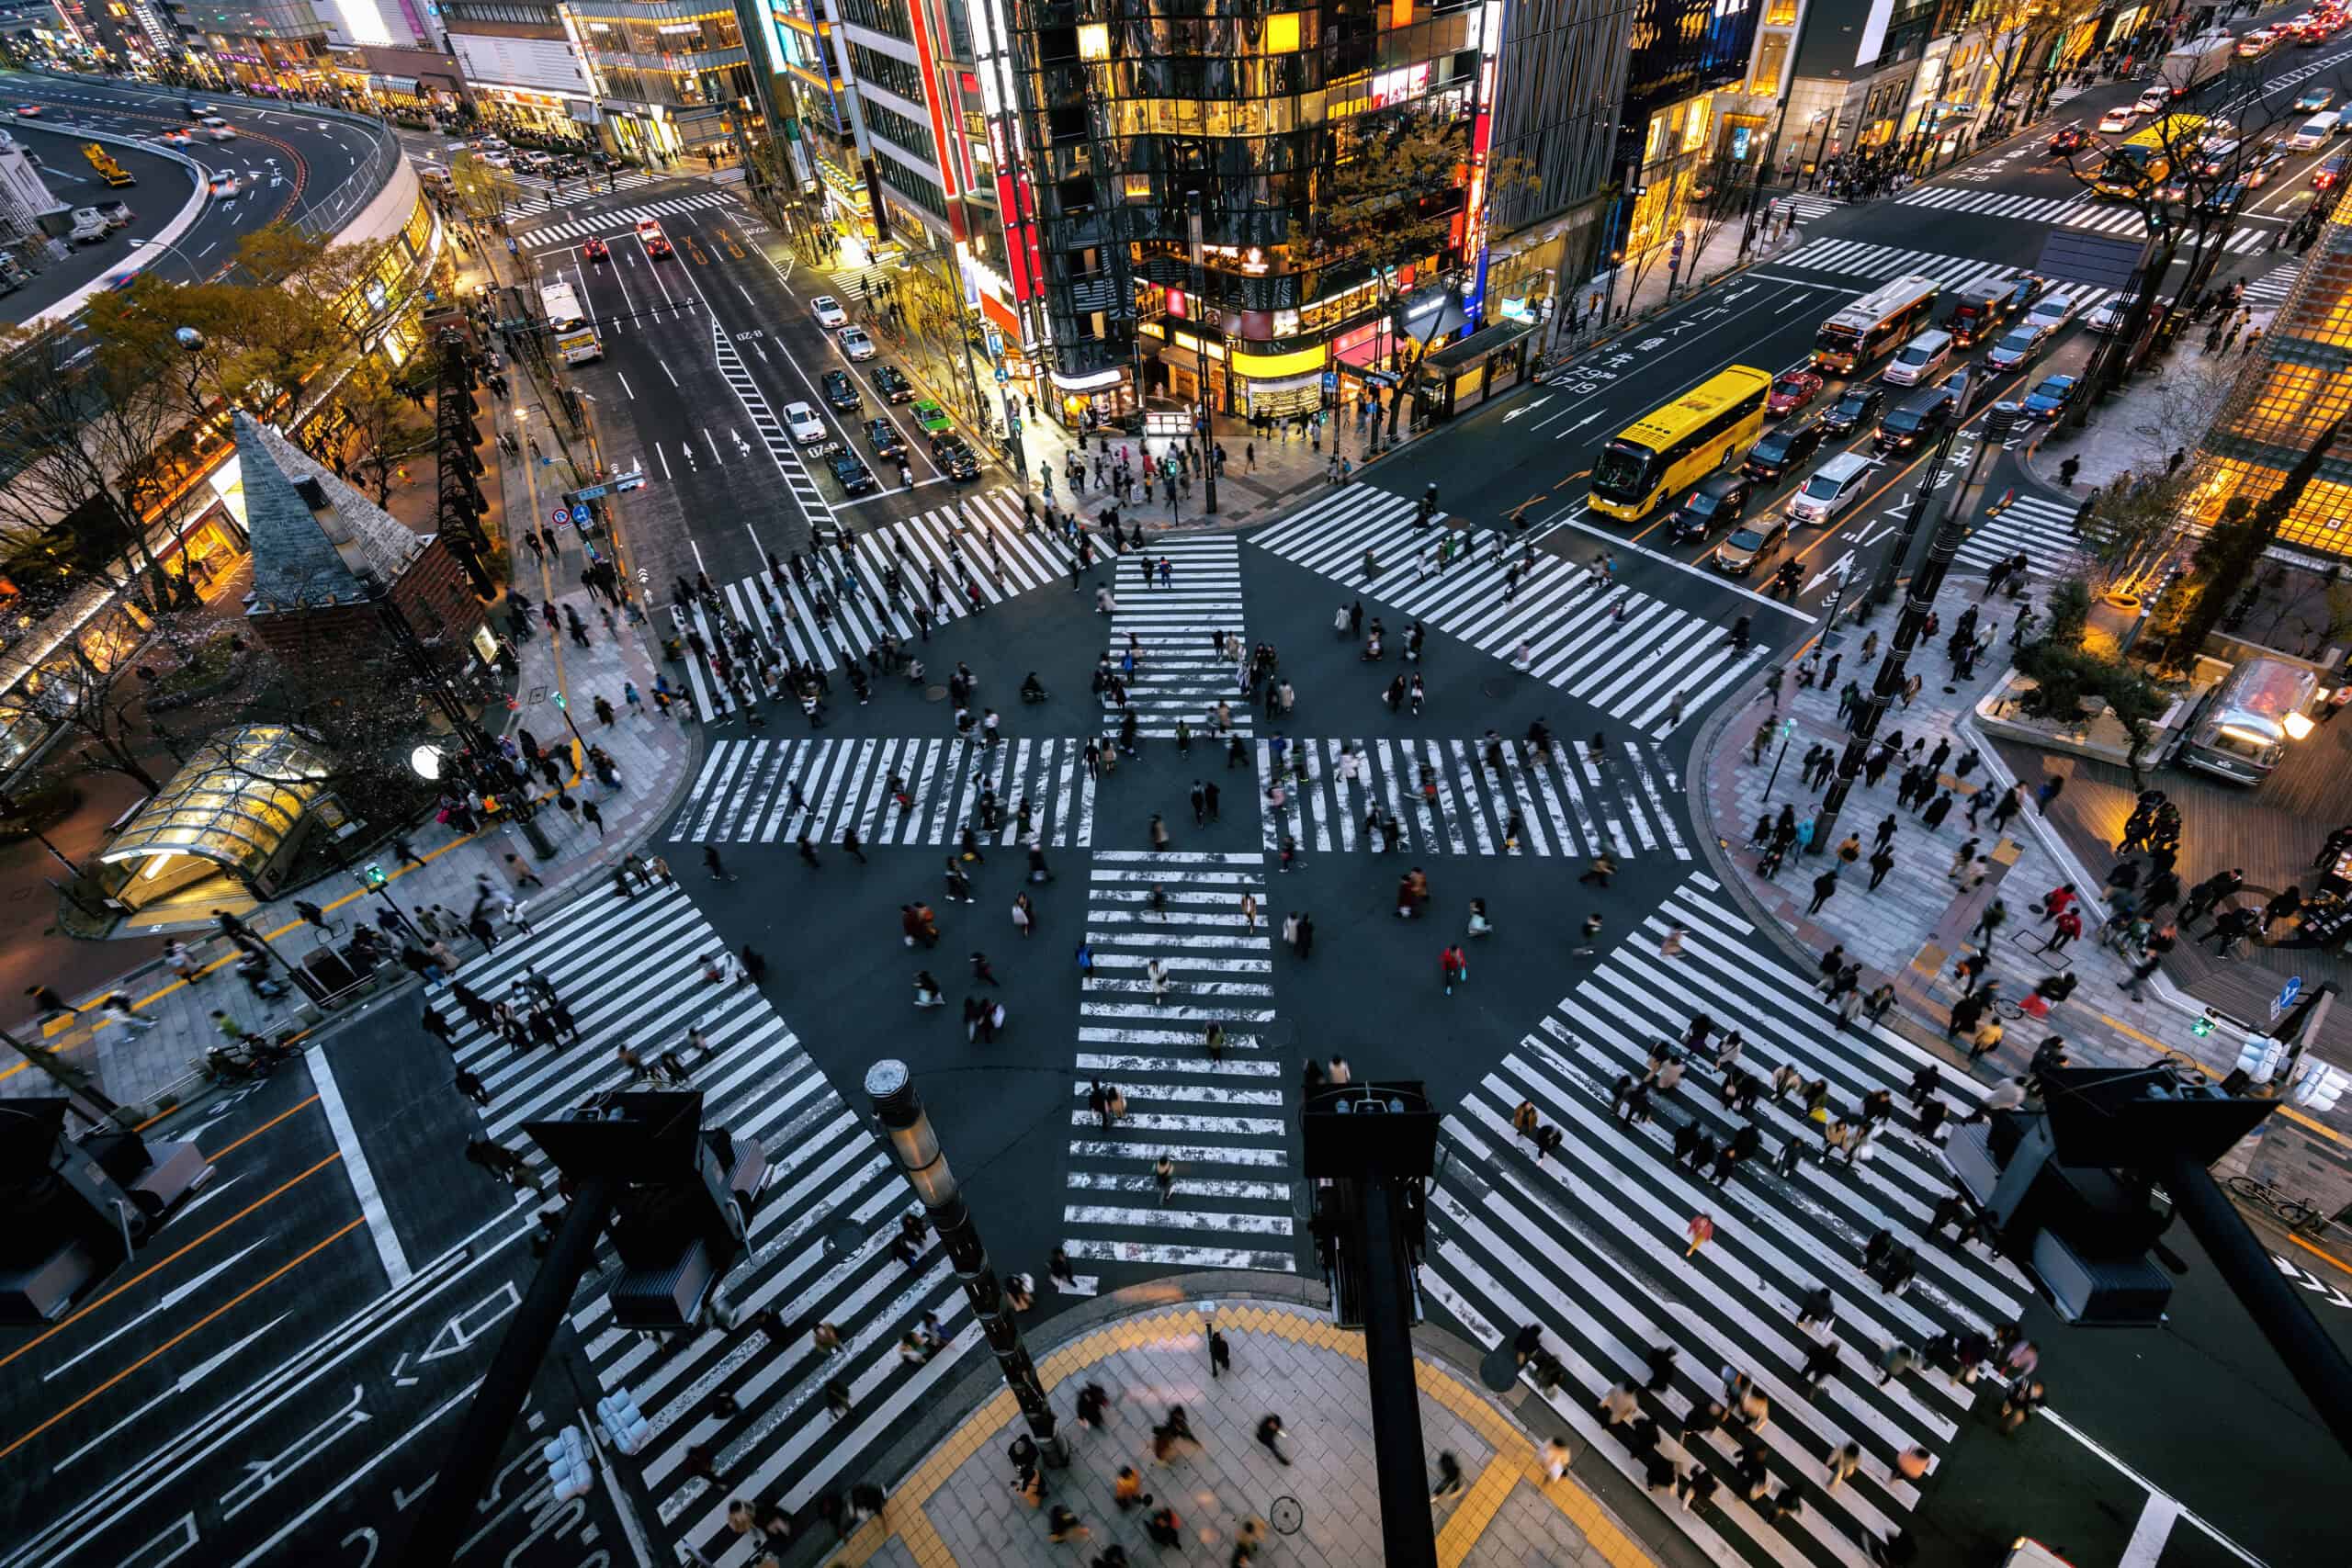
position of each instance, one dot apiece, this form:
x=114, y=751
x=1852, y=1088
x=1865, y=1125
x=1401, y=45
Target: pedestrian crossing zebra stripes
x=573, y=230
x=1589, y=1240
x=844, y=608
x=2042, y=527
x=1222, y=1118
x=1634, y=658
x=1175, y=624
x=557, y=194
x=2072, y=212
x=630, y=970
x=2270, y=289
x=1806, y=208
x=758, y=791
x=1860, y=260
x=1446, y=798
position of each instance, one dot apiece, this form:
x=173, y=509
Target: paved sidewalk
x=1920, y=922
x=1321, y=1510
x=652, y=757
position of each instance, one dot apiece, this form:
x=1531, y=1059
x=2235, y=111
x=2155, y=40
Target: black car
x=851, y=473
x=842, y=392
x=883, y=436
x=954, y=455
x=1858, y=409
x=1718, y=502
x=1782, y=450
x=892, y=383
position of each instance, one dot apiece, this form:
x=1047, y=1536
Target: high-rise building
x=1858, y=62
x=671, y=76
x=2296, y=384
x=523, y=65
x=1560, y=73
x=1673, y=149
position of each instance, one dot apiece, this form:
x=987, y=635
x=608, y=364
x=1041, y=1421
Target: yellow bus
x=1880, y=320
x=2144, y=162
x=1677, y=445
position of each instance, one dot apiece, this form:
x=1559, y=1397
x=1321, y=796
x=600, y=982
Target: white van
x=1919, y=359
x=2313, y=134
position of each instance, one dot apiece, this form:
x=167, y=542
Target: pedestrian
x=1700, y=1230
x=1270, y=1434
x=118, y=1008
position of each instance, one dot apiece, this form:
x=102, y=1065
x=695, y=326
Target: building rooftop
x=316, y=541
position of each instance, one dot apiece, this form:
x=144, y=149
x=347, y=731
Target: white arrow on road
x=461, y=1331
x=169, y=1300
x=1834, y=569
x=1579, y=424
x=1527, y=408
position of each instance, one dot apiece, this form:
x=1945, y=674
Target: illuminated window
x=1780, y=13
x=1400, y=13
x=1094, y=41
x=1282, y=33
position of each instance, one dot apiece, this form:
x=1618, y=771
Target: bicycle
x=2289, y=1211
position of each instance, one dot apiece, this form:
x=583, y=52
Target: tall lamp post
x=907, y=1128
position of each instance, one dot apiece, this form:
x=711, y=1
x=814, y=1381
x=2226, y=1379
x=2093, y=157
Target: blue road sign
x=580, y=513
x=2286, y=995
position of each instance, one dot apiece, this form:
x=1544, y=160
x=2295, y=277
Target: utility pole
x=907, y=1127
x=1915, y=609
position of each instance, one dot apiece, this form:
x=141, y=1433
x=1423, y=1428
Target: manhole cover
x=1286, y=1515
x=934, y=693
x=842, y=1237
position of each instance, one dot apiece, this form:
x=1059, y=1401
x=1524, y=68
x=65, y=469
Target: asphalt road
x=287, y=165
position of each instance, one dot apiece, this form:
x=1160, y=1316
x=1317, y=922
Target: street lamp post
x=907, y=1127
x=194, y=274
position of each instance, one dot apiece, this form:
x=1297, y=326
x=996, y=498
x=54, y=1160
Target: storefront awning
x=235, y=804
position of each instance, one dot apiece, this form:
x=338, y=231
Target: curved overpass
x=320, y=168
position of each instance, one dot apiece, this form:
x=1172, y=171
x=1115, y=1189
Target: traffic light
x=560, y=701
x=2204, y=1024
x=374, y=874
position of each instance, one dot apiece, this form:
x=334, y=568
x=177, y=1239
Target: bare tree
x=2187, y=174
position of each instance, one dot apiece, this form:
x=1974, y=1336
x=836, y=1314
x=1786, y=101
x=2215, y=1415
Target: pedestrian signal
x=374, y=875
x=2203, y=1026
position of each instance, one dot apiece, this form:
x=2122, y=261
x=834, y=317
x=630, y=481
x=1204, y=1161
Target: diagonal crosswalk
x=843, y=604
x=2269, y=291
x=1589, y=1242
x=2042, y=527
x=2073, y=212
x=761, y=791
x=1447, y=797
x=1224, y=1122
x=1174, y=627
x=1637, y=659
x=570, y=231
x=630, y=970
x=1859, y=259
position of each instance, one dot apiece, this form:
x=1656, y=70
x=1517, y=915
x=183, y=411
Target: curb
x=970, y=1394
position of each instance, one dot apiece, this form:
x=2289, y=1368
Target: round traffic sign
x=560, y=517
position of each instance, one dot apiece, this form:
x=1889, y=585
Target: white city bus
x=1874, y=323
x=574, y=334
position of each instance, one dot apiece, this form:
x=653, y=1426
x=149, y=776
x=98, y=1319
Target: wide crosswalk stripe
x=1463, y=805
x=629, y=971
x=1183, y=910
x=622, y=222
x=843, y=604
x=1627, y=654
x=1589, y=1242
x=1177, y=649
x=2074, y=212
x=2043, y=528
x=2272, y=287
x=756, y=791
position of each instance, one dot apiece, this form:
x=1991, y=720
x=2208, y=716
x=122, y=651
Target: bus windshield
x=1623, y=470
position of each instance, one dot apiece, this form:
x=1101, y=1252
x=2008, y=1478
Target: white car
x=856, y=345
x=2050, y=311
x=2152, y=99
x=2119, y=120
x=226, y=184
x=2109, y=316
x=2018, y=345
x=1832, y=488
x=801, y=420
x=828, y=311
